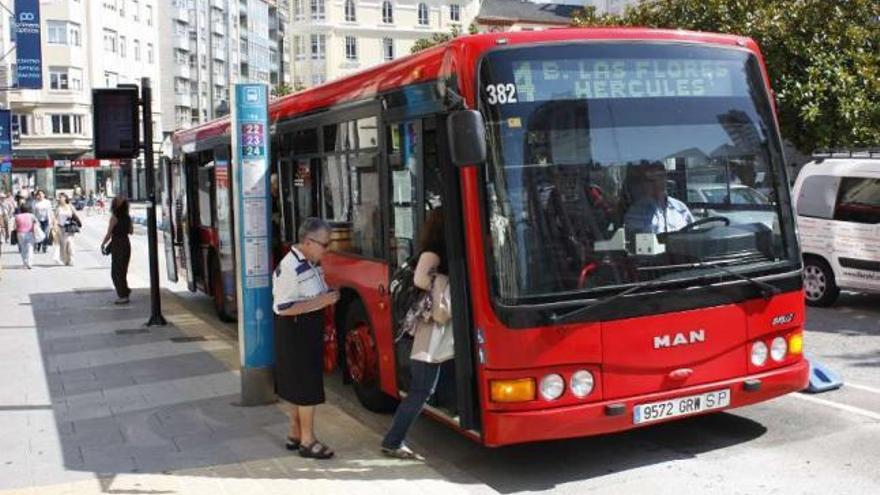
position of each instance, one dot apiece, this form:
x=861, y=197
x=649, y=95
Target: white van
x=838, y=206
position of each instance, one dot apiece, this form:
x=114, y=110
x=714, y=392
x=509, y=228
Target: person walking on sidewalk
x=299, y=295
x=43, y=212
x=25, y=225
x=67, y=225
x=118, y=230
x=433, y=343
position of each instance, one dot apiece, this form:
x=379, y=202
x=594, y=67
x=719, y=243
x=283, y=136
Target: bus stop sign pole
x=253, y=228
x=156, y=318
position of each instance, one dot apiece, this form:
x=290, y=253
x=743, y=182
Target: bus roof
x=426, y=65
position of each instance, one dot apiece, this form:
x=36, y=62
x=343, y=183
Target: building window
x=318, y=46
x=423, y=14
x=62, y=33
x=67, y=124
x=351, y=48
x=135, y=8
x=317, y=10
x=110, y=40
x=350, y=12
x=388, y=48
x=454, y=13
x=137, y=50
x=65, y=78
x=149, y=53
x=20, y=124
x=317, y=79
x=111, y=79
x=299, y=47
x=387, y=12
x=149, y=15
x=121, y=8
x=122, y=46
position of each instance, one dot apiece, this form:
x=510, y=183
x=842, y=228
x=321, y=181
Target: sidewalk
x=93, y=402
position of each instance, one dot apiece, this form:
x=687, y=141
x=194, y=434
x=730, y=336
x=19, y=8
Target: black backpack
x=404, y=293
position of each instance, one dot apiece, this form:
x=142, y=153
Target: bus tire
x=362, y=360
x=217, y=291
x=820, y=288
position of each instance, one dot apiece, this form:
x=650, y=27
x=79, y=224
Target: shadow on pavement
x=126, y=399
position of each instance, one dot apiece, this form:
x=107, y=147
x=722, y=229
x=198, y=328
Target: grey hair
x=311, y=225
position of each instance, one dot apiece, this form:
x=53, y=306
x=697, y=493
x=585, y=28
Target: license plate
x=681, y=406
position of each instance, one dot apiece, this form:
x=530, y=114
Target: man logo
x=680, y=338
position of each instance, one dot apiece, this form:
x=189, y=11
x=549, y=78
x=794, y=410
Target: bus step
x=822, y=379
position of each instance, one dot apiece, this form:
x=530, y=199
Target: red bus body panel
x=627, y=368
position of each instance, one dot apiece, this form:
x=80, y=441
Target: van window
x=817, y=196
x=858, y=200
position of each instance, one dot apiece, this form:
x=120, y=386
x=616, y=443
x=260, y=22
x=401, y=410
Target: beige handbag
x=433, y=341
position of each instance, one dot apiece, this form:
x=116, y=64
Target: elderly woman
x=300, y=294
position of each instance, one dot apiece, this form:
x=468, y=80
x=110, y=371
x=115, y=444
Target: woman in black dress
x=118, y=230
x=300, y=294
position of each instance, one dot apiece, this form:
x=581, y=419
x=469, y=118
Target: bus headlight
x=759, y=353
x=581, y=383
x=778, y=349
x=552, y=387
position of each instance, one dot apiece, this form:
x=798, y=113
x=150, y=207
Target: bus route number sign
x=253, y=140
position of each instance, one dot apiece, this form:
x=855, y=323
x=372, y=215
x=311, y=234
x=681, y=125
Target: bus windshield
x=616, y=163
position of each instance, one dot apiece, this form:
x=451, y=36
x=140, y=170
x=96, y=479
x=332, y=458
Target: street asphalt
x=93, y=402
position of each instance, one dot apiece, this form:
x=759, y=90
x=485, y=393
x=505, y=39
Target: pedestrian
x=429, y=350
x=67, y=224
x=116, y=240
x=300, y=294
x=25, y=232
x=44, y=214
x=4, y=227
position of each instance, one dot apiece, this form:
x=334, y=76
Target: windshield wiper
x=767, y=290
x=557, y=318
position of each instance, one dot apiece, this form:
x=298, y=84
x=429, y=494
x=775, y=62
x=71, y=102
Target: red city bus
x=619, y=229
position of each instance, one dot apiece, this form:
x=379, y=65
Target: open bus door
x=420, y=182
x=166, y=198
x=182, y=221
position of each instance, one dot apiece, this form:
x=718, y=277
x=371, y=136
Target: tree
x=438, y=38
x=281, y=89
x=823, y=57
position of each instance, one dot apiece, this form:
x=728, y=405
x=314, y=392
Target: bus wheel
x=362, y=361
x=217, y=291
x=820, y=289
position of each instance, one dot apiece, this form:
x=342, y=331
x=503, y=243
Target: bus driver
x=655, y=212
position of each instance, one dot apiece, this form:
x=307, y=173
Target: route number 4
x=500, y=94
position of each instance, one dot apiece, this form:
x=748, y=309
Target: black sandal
x=292, y=443
x=316, y=450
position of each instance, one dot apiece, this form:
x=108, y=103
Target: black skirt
x=299, y=358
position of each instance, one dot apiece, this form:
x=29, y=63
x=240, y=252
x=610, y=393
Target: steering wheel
x=703, y=221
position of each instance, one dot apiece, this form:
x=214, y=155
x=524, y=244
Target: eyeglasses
x=324, y=245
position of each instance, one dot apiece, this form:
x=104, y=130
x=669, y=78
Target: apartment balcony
x=183, y=71
x=219, y=4
x=180, y=42
x=218, y=28
x=181, y=14
x=219, y=80
x=219, y=53
x=183, y=100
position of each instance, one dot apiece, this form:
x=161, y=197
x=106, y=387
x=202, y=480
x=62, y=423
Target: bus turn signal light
x=521, y=390
x=796, y=343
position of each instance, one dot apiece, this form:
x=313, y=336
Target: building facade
x=86, y=44
x=334, y=38
x=209, y=45
x=520, y=15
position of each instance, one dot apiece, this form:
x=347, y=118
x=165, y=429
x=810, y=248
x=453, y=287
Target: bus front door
x=168, y=222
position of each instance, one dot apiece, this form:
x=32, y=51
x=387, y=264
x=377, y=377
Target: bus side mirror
x=467, y=137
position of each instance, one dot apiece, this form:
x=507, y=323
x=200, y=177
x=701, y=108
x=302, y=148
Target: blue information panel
x=28, y=52
x=5, y=141
x=252, y=208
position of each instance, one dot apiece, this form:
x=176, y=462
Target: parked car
x=740, y=194
x=838, y=207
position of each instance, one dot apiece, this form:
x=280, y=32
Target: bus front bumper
x=504, y=428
